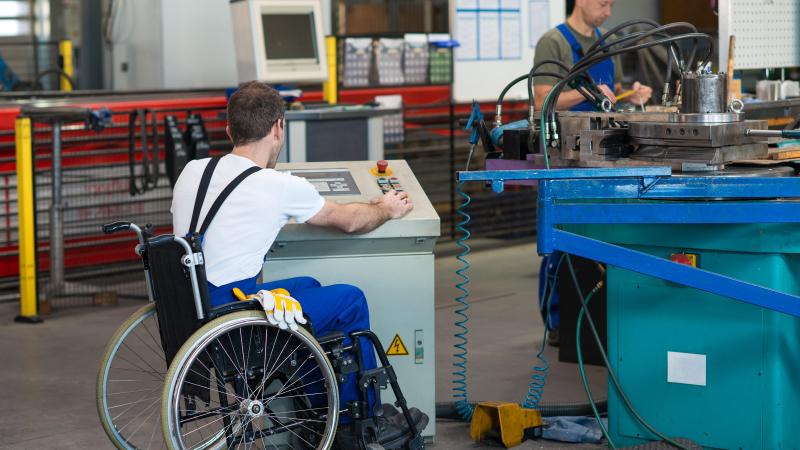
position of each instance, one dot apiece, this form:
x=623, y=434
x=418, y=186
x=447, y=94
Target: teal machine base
x=717, y=371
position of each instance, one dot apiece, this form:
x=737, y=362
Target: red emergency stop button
x=382, y=166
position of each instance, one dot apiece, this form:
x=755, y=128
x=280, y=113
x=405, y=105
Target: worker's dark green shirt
x=553, y=45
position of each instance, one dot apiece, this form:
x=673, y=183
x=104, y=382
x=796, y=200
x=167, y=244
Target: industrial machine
x=393, y=265
x=657, y=195
x=704, y=133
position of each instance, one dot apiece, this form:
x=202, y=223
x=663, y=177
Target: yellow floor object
x=512, y=422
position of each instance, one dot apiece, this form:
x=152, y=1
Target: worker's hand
x=642, y=94
x=608, y=92
x=395, y=204
x=282, y=310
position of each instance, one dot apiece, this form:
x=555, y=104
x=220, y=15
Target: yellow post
x=330, y=89
x=28, y=299
x=65, y=51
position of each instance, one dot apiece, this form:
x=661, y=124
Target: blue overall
x=601, y=73
x=339, y=307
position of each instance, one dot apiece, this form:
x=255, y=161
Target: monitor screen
x=289, y=36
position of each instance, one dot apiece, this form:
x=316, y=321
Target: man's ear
x=228, y=132
x=278, y=129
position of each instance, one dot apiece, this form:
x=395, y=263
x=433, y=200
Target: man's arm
x=356, y=218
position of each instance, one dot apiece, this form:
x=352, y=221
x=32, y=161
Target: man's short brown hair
x=252, y=111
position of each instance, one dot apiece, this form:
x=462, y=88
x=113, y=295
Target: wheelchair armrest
x=228, y=308
x=331, y=338
x=250, y=305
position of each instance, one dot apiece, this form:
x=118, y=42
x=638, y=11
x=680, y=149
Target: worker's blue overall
x=601, y=73
x=338, y=307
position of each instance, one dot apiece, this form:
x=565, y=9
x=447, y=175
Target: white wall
x=483, y=80
x=177, y=44
x=137, y=44
x=198, y=44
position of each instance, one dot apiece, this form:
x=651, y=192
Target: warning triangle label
x=397, y=347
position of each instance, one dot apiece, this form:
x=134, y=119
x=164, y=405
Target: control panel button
x=382, y=166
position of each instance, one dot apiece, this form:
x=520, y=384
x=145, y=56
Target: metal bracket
x=498, y=186
x=648, y=183
x=193, y=259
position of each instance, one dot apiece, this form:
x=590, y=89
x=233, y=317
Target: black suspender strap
x=205, y=181
x=223, y=195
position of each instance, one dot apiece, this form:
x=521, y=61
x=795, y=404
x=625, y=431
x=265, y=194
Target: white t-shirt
x=250, y=218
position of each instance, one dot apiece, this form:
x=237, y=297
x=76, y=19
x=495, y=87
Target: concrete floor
x=47, y=377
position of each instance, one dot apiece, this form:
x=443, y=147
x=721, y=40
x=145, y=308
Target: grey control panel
x=360, y=181
x=330, y=181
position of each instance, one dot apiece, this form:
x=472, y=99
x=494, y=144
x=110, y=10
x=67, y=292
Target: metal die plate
x=694, y=134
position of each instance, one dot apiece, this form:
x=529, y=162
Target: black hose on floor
x=447, y=410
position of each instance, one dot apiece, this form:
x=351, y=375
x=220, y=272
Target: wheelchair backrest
x=174, y=293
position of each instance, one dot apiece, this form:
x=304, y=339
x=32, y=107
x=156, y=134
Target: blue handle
x=475, y=115
x=790, y=134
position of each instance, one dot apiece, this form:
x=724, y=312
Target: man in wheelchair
x=256, y=202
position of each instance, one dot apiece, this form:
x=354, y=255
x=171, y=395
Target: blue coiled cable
x=539, y=376
x=462, y=404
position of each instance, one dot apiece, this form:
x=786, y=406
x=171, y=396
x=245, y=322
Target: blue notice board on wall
x=488, y=30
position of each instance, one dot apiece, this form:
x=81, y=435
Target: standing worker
x=567, y=43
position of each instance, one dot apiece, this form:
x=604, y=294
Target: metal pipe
x=786, y=134
x=56, y=216
x=762, y=133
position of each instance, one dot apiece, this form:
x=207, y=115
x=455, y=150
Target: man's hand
x=282, y=310
x=608, y=92
x=642, y=94
x=395, y=204
x=359, y=217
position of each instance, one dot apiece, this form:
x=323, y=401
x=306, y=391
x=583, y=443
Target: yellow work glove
x=282, y=310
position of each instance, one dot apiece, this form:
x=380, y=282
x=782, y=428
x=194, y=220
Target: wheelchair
x=182, y=375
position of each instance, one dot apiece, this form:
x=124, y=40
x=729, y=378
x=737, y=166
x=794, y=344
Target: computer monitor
x=279, y=41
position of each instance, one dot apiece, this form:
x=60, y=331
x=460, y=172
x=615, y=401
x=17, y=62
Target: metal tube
x=56, y=216
x=198, y=302
x=703, y=93
x=763, y=133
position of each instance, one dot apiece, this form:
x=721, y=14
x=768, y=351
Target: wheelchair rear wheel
x=130, y=382
x=239, y=382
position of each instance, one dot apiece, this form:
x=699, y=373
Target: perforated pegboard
x=767, y=33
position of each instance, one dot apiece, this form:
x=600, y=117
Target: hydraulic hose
x=549, y=108
x=447, y=410
x=461, y=402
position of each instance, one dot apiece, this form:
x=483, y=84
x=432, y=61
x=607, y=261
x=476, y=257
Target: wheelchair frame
x=340, y=360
